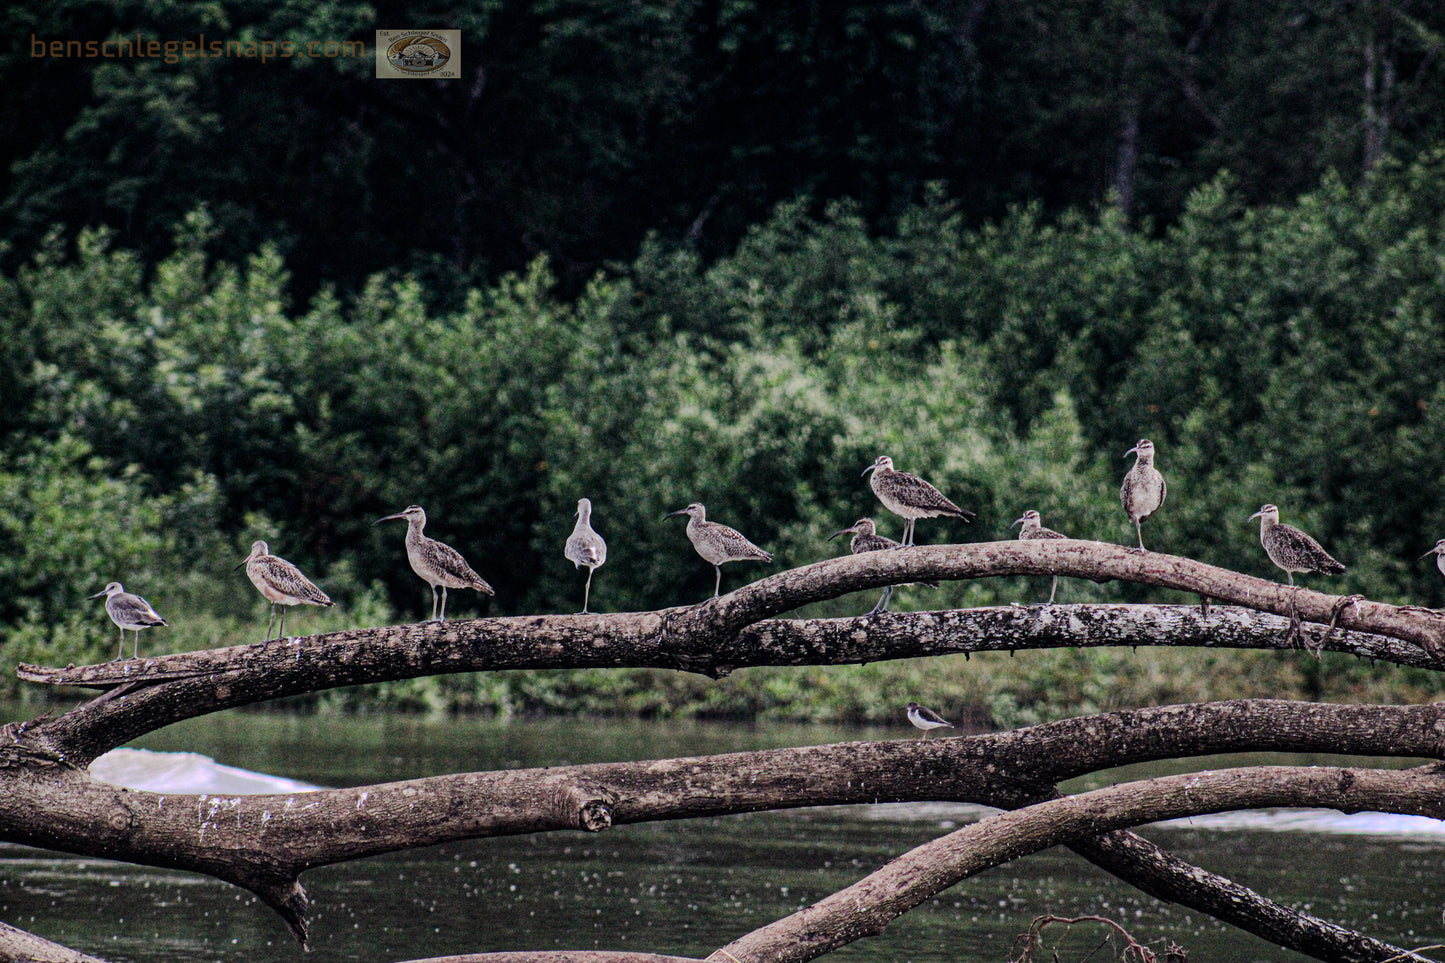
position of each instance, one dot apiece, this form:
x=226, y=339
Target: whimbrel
x=909, y=496
x=1144, y=489
x=1291, y=549
x=129, y=612
x=1032, y=528
x=717, y=543
x=1439, y=552
x=926, y=719
x=281, y=583
x=438, y=564
x=866, y=539
x=585, y=547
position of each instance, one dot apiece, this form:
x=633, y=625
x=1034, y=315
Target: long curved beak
x=1131, y=451
x=97, y=595
x=868, y=469
x=1016, y=521
x=1260, y=513
x=845, y=531
x=389, y=518
x=1433, y=551
x=680, y=511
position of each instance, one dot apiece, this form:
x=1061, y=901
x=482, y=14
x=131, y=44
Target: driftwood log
x=265, y=842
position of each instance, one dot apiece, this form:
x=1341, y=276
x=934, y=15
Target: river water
x=682, y=887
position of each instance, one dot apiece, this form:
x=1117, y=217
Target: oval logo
x=418, y=53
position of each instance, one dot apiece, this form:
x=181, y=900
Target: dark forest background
x=653, y=253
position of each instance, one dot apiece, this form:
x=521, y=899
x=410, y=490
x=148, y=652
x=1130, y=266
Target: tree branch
x=264, y=842
x=18, y=945
x=720, y=635
x=866, y=907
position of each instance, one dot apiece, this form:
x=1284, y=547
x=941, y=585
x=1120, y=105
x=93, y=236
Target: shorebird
x=909, y=496
x=1439, y=552
x=1291, y=549
x=438, y=564
x=1032, y=528
x=866, y=539
x=717, y=543
x=1144, y=489
x=129, y=612
x=281, y=583
x=926, y=719
x=585, y=547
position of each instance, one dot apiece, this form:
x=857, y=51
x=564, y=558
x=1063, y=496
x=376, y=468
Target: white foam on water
x=186, y=772
x=1319, y=821
x=1420, y=828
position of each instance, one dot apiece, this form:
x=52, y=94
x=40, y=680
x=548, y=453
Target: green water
x=676, y=887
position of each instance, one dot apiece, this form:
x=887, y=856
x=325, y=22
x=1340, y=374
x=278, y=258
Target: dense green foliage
x=1289, y=353
x=578, y=127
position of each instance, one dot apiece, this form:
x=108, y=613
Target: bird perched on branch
x=438, y=564
x=926, y=719
x=1144, y=489
x=129, y=612
x=866, y=539
x=1032, y=529
x=909, y=497
x=1439, y=552
x=1291, y=549
x=717, y=543
x=585, y=547
x=281, y=583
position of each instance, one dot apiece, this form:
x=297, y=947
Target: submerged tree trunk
x=265, y=842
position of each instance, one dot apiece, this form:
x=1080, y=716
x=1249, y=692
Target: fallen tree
x=264, y=843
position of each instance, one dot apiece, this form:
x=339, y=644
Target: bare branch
x=720, y=635
x=16, y=944
x=264, y=842
x=867, y=906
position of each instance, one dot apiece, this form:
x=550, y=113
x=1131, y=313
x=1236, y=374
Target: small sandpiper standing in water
x=281, y=583
x=585, y=547
x=909, y=497
x=129, y=612
x=717, y=543
x=926, y=719
x=1144, y=489
x=438, y=564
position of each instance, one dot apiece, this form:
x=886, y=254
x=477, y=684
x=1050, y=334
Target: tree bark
x=866, y=907
x=265, y=842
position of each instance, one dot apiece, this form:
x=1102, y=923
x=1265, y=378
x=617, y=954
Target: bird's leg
x=281, y=632
x=135, y=648
x=717, y=586
x=1139, y=531
x=882, y=605
x=444, y=603
x=1336, y=611
x=1204, y=606
x=433, y=604
x=587, y=592
x=271, y=621
x=120, y=652
x=1293, y=635
x=908, y=531
x=1054, y=587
